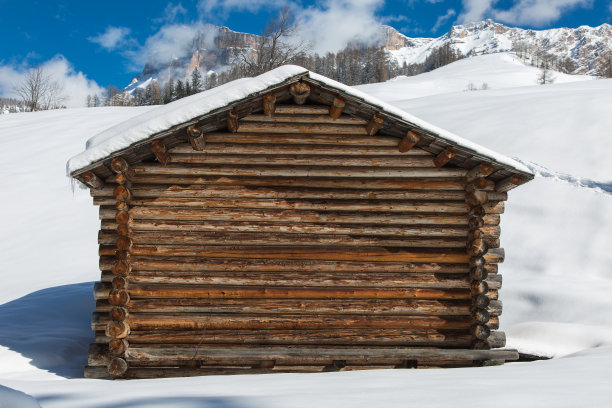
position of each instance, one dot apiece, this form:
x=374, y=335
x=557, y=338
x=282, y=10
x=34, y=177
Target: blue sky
x=107, y=42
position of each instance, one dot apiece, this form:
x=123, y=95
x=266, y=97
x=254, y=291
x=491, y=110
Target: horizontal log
x=262, y=239
x=509, y=183
x=177, y=263
x=211, y=191
x=292, y=109
x=495, y=255
x=497, y=339
x=304, y=119
x=301, y=128
x=311, y=204
x=297, y=253
x=495, y=308
x=292, y=216
x=203, y=292
x=296, y=171
x=316, y=182
x=305, y=160
x=480, y=171
x=92, y=180
x=303, y=306
x=297, y=148
x=351, y=136
x=98, y=355
x=298, y=228
x=305, y=279
x=175, y=321
x=350, y=336
x=304, y=355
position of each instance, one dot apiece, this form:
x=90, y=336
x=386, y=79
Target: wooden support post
x=196, y=138
x=269, y=104
x=408, y=141
x=159, y=150
x=300, y=92
x=335, y=110
x=445, y=156
x=232, y=121
x=92, y=181
x=374, y=124
x=508, y=183
x=480, y=171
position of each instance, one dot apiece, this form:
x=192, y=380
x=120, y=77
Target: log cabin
x=290, y=223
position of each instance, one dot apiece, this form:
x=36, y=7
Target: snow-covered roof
x=151, y=123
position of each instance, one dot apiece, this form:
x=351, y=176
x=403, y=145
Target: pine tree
x=95, y=101
x=188, y=90
x=196, y=81
x=169, y=91
x=179, y=90
x=156, y=94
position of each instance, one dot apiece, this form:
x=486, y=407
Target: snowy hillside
x=557, y=232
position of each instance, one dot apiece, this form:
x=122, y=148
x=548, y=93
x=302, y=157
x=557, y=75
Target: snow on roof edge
x=157, y=120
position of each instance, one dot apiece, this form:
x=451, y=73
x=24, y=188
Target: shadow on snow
x=52, y=327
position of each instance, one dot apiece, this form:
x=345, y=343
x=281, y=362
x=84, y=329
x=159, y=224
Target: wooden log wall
x=301, y=240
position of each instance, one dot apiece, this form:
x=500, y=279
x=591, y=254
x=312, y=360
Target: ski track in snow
x=580, y=182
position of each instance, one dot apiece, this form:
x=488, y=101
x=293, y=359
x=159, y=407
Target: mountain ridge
x=581, y=50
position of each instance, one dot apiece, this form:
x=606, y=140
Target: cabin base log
x=182, y=362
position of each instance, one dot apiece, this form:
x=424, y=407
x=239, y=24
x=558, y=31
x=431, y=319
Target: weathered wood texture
x=301, y=227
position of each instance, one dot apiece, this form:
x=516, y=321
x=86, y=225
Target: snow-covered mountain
x=584, y=50
x=586, y=47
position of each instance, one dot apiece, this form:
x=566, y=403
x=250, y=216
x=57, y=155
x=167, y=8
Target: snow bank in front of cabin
x=10, y=398
x=166, y=116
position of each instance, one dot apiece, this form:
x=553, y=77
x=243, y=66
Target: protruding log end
x=120, y=282
x=119, y=313
x=269, y=104
x=476, y=198
x=119, y=297
x=480, y=183
x=479, y=273
x=475, y=223
x=480, y=171
x=122, y=217
x=445, y=156
x=335, y=110
x=122, y=229
x=159, y=150
x=122, y=193
x=477, y=247
x=117, y=330
x=374, y=124
x=497, y=339
x=495, y=255
x=480, y=302
x=196, y=138
x=481, y=316
x=479, y=288
x=124, y=243
x=122, y=268
x=118, y=346
x=408, y=141
x=117, y=367
x=120, y=166
x=481, y=332
x=232, y=121
x=300, y=92
x=508, y=183
x=92, y=181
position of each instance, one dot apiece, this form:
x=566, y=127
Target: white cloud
x=538, y=12
x=76, y=86
x=216, y=7
x=443, y=19
x=112, y=38
x=171, y=41
x=172, y=12
x=330, y=26
x=534, y=12
x=474, y=10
